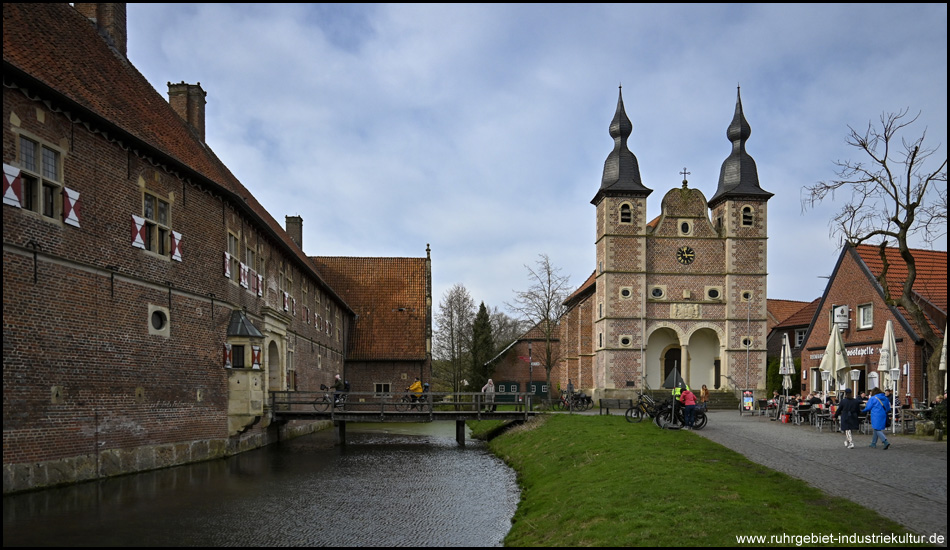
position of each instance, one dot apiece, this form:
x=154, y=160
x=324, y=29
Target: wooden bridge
x=401, y=407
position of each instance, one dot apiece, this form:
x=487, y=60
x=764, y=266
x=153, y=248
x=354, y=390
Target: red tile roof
x=70, y=64
x=802, y=317
x=583, y=290
x=931, y=281
x=779, y=310
x=389, y=298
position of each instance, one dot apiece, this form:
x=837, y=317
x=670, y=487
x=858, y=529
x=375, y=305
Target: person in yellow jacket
x=416, y=389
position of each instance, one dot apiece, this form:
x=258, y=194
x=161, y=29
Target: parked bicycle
x=645, y=407
x=577, y=401
x=665, y=417
x=328, y=398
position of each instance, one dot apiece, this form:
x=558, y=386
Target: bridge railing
x=395, y=402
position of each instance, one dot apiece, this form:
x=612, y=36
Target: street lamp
x=895, y=385
x=855, y=376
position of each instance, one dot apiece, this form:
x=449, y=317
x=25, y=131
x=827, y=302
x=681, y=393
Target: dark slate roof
x=240, y=325
x=55, y=52
x=738, y=177
x=621, y=169
x=389, y=297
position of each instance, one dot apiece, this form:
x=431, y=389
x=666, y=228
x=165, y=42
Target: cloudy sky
x=482, y=129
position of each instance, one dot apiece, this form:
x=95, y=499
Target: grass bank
x=601, y=481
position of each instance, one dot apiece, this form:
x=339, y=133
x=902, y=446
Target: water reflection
x=391, y=485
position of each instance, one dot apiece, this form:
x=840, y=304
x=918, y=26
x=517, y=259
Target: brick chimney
x=294, y=226
x=188, y=100
x=110, y=19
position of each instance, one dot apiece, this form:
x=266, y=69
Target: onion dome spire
x=738, y=176
x=621, y=169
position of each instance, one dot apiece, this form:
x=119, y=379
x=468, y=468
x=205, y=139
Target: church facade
x=684, y=291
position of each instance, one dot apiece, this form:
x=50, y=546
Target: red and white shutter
x=227, y=265
x=138, y=232
x=71, y=207
x=12, y=187
x=255, y=357
x=260, y=284
x=293, y=306
x=176, y=246
x=244, y=274
x=227, y=356
x=286, y=301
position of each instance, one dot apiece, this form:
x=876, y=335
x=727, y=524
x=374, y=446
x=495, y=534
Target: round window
x=713, y=294
x=159, y=320
x=657, y=292
x=747, y=295
x=684, y=228
x=747, y=342
x=625, y=292
x=625, y=341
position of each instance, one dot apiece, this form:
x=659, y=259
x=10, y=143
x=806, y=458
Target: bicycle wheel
x=321, y=404
x=403, y=404
x=700, y=421
x=633, y=415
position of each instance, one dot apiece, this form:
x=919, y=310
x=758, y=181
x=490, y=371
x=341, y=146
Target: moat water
x=390, y=485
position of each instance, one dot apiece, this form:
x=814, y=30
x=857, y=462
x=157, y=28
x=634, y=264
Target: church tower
x=620, y=270
x=740, y=213
x=684, y=293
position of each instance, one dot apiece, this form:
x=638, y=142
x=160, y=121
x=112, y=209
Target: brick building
x=687, y=289
x=150, y=303
x=854, y=293
x=792, y=318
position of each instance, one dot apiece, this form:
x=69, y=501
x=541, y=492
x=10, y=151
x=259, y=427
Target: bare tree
x=898, y=193
x=505, y=328
x=542, y=305
x=453, y=335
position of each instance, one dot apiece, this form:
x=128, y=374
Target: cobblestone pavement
x=911, y=475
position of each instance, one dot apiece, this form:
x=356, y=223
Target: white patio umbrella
x=889, y=359
x=787, y=365
x=835, y=361
x=943, y=358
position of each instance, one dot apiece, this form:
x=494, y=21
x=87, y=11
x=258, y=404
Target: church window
x=626, y=341
x=747, y=342
x=600, y=339
x=600, y=309
x=626, y=292
x=658, y=292
x=746, y=296
x=747, y=217
x=685, y=228
x=625, y=215
x=713, y=293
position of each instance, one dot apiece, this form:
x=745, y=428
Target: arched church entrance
x=702, y=365
x=672, y=359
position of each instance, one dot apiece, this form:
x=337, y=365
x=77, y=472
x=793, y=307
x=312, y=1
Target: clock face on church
x=685, y=255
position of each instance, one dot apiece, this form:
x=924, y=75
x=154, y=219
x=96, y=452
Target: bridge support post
x=460, y=432
x=341, y=432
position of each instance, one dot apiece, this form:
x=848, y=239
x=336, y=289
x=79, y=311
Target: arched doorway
x=672, y=359
x=273, y=366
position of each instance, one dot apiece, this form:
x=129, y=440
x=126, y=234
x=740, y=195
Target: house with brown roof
x=151, y=304
x=791, y=318
x=854, y=300
x=392, y=335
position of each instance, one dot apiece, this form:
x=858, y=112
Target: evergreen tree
x=482, y=348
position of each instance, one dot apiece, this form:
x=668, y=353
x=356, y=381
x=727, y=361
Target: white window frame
x=865, y=316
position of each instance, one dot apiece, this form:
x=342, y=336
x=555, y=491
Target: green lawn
x=601, y=481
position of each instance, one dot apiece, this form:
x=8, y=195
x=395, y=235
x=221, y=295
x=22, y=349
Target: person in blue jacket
x=878, y=406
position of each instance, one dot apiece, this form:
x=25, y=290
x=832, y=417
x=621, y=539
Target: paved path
x=912, y=473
